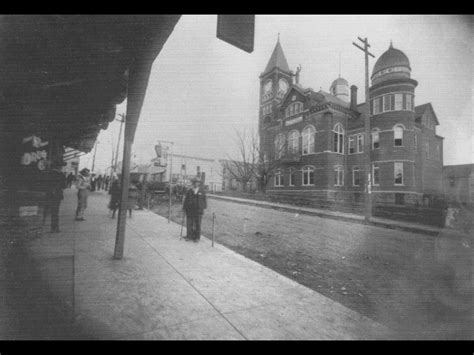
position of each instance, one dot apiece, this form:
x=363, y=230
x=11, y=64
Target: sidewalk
x=348, y=217
x=166, y=288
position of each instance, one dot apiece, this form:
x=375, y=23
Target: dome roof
x=391, y=58
x=340, y=81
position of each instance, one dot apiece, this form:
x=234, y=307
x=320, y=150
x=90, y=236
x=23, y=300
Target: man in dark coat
x=56, y=183
x=70, y=179
x=194, y=205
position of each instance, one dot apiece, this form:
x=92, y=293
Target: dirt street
x=395, y=277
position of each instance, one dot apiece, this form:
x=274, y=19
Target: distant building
x=186, y=167
x=317, y=138
x=458, y=183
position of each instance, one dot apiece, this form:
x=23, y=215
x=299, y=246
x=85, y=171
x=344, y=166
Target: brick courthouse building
x=317, y=138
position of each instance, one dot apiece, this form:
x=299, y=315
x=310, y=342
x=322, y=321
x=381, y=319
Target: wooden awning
x=63, y=75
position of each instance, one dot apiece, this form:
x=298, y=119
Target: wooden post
x=138, y=81
x=213, y=218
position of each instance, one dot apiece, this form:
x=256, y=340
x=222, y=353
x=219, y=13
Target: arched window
x=293, y=140
x=308, y=140
x=307, y=176
x=375, y=138
x=338, y=138
x=279, y=145
x=267, y=119
x=294, y=108
x=279, y=178
x=398, y=135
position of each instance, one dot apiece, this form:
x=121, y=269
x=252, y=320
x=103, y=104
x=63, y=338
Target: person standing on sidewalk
x=70, y=179
x=56, y=183
x=194, y=205
x=114, y=197
x=132, y=197
x=83, y=186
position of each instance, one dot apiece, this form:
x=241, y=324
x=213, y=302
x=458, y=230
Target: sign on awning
x=237, y=30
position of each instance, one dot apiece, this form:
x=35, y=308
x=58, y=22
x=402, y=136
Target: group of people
x=194, y=203
x=100, y=182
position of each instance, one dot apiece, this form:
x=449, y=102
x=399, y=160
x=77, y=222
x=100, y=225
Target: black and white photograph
x=228, y=177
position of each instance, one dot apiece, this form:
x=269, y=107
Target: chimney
x=353, y=97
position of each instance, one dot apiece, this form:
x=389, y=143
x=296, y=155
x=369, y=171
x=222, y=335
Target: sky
x=202, y=89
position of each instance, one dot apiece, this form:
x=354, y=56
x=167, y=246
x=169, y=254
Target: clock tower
x=275, y=82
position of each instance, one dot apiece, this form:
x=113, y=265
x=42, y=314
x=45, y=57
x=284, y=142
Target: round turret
x=340, y=89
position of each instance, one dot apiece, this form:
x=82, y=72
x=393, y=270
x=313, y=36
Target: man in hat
x=55, y=184
x=194, y=205
x=83, y=187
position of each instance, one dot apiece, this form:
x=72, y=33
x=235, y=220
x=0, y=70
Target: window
x=308, y=140
x=356, y=176
x=398, y=173
x=375, y=175
x=377, y=105
x=408, y=102
x=352, y=148
x=294, y=108
x=389, y=103
x=375, y=138
x=267, y=109
x=415, y=141
x=398, y=136
x=279, y=178
x=279, y=145
x=398, y=102
x=292, y=177
x=293, y=142
x=338, y=176
x=338, y=138
x=308, y=176
x=360, y=143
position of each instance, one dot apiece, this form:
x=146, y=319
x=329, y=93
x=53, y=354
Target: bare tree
x=255, y=161
x=243, y=169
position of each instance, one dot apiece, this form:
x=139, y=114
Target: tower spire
x=391, y=44
x=278, y=40
x=277, y=60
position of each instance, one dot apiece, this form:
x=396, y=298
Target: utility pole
x=368, y=184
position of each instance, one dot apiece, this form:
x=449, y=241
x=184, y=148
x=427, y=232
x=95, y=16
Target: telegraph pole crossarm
x=368, y=183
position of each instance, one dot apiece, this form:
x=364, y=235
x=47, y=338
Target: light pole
x=368, y=190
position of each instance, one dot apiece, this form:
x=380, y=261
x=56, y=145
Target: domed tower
x=340, y=89
x=392, y=113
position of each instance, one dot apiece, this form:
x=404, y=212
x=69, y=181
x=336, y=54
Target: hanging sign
x=35, y=154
